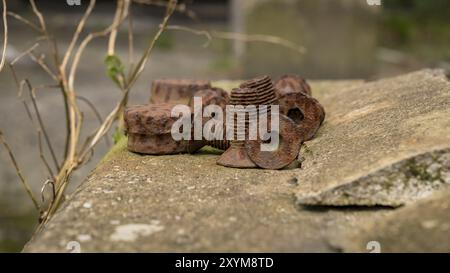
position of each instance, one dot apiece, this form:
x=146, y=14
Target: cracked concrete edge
x=405, y=172
x=420, y=227
x=393, y=185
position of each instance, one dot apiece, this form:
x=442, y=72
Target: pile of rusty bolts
x=150, y=127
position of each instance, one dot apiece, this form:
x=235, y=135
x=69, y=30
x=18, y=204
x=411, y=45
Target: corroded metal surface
x=292, y=84
x=149, y=126
x=258, y=91
x=304, y=110
x=176, y=91
x=209, y=96
x=285, y=153
x=149, y=131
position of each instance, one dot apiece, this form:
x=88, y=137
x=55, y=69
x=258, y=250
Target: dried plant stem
x=41, y=124
x=77, y=33
x=5, y=35
x=19, y=172
x=64, y=74
x=96, y=113
x=181, y=8
x=121, y=14
x=25, y=21
x=42, y=156
x=41, y=62
x=130, y=40
x=130, y=82
x=75, y=159
x=26, y=52
x=241, y=37
x=50, y=40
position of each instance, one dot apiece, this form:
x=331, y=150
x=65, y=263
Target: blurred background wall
x=343, y=39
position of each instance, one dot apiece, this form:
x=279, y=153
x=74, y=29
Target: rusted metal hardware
x=286, y=152
x=303, y=110
x=258, y=91
x=210, y=96
x=149, y=126
x=149, y=131
x=213, y=96
x=236, y=155
x=219, y=144
x=292, y=84
x=176, y=91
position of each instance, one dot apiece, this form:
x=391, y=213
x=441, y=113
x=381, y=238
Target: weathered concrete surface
x=188, y=203
x=383, y=143
x=421, y=227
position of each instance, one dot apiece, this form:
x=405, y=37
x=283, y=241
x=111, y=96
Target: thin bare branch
x=77, y=33
x=259, y=38
x=51, y=41
x=104, y=128
x=180, y=8
x=21, y=55
x=24, y=20
x=48, y=182
x=19, y=172
x=5, y=35
x=41, y=124
x=241, y=37
x=83, y=45
x=120, y=15
x=96, y=113
x=42, y=156
x=40, y=61
x=141, y=64
x=194, y=31
x=130, y=39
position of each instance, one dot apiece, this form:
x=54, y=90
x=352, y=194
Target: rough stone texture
x=188, y=203
x=421, y=227
x=383, y=143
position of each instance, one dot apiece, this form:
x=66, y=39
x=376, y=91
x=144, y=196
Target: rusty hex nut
x=303, y=110
x=149, y=130
x=176, y=91
x=292, y=84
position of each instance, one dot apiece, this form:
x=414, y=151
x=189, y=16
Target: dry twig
x=209, y=35
x=5, y=36
x=19, y=172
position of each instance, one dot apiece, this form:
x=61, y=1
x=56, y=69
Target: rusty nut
x=211, y=96
x=292, y=84
x=149, y=131
x=176, y=91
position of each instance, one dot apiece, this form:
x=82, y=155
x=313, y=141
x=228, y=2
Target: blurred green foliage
x=419, y=27
x=409, y=21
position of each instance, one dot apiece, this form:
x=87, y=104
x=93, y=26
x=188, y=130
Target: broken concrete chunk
x=383, y=143
x=421, y=227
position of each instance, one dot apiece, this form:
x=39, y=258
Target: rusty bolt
x=258, y=91
x=236, y=155
x=176, y=91
x=149, y=131
x=212, y=95
x=305, y=111
x=292, y=84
